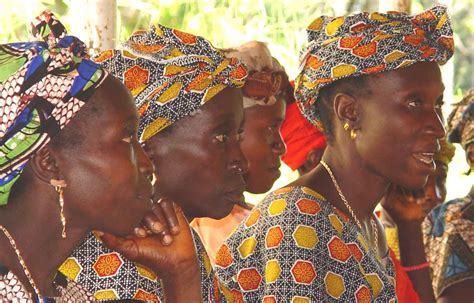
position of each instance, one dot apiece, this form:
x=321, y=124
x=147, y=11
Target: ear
x=44, y=165
x=345, y=107
x=314, y=157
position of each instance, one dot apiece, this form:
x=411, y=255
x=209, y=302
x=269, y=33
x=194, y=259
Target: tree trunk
x=395, y=5
x=96, y=23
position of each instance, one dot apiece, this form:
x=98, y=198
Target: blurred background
x=279, y=23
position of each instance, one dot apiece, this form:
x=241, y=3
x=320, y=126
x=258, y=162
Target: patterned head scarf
x=171, y=74
x=267, y=81
x=43, y=84
x=461, y=121
x=368, y=43
x=445, y=153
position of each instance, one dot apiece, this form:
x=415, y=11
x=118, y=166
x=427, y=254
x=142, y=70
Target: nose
x=237, y=161
x=435, y=125
x=144, y=163
x=278, y=146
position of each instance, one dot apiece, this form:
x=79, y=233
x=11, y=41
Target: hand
x=164, y=260
x=403, y=205
x=162, y=220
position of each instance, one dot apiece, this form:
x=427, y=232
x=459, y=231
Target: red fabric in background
x=300, y=137
x=404, y=288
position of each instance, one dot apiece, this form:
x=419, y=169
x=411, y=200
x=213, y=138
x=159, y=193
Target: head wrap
x=300, y=137
x=267, y=81
x=43, y=84
x=171, y=74
x=461, y=121
x=368, y=43
x=445, y=153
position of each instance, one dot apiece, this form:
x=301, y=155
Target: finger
x=140, y=232
x=154, y=220
x=127, y=247
x=169, y=213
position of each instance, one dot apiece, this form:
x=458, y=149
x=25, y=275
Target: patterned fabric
x=368, y=43
x=449, y=243
x=445, y=153
x=12, y=290
x=296, y=247
x=461, y=121
x=300, y=137
x=171, y=74
x=213, y=232
x=109, y=276
x=267, y=81
x=43, y=84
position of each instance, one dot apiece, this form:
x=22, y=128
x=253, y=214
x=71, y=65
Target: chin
x=260, y=187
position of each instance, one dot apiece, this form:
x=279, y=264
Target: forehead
x=114, y=102
x=274, y=111
x=422, y=76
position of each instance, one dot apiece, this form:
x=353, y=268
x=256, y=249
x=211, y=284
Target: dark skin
x=398, y=124
x=262, y=145
x=312, y=160
x=407, y=210
x=107, y=171
x=199, y=162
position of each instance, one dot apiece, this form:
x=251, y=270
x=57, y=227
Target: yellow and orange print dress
x=296, y=247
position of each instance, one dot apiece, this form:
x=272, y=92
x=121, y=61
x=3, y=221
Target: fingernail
x=157, y=227
x=98, y=233
x=167, y=240
x=140, y=232
x=175, y=229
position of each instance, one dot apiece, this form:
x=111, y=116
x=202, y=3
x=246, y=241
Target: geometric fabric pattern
x=368, y=43
x=297, y=251
x=109, y=276
x=170, y=74
x=448, y=234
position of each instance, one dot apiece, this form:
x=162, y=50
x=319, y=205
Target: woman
x=265, y=94
x=190, y=104
x=449, y=229
x=69, y=155
x=372, y=82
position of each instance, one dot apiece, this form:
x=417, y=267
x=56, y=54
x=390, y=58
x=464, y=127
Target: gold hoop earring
x=353, y=134
x=59, y=186
x=346, y=126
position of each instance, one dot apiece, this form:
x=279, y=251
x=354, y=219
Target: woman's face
x=198, y=161
x=107, y=172
x=400, y=123
x=262, y=145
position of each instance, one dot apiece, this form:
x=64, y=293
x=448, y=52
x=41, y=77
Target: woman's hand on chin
x=403, y=206
x=152, y=250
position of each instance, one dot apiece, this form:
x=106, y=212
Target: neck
x=361, y=187
x=38, y=238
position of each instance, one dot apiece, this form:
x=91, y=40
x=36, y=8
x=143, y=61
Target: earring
x=346, y=126
x=59, y=187
x=353, y=134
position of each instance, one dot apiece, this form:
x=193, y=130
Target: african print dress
x=449, y=243
x=110, y=276
x=296, y=247
x=12, y=290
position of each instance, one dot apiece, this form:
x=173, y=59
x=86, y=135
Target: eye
x=414, y=103
x=128, y=139
x=222, y=138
